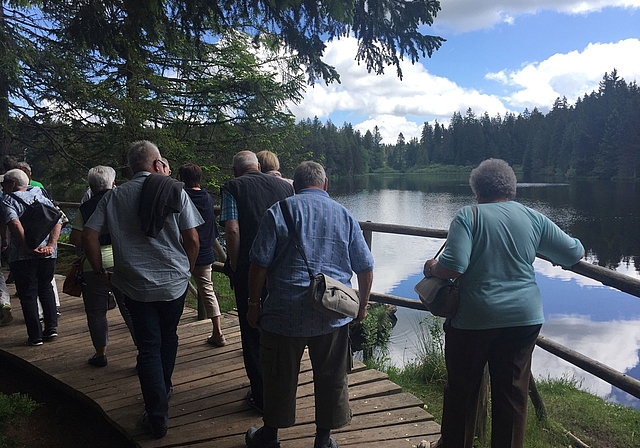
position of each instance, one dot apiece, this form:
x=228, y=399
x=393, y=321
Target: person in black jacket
x=191, y=175
x=244, y=201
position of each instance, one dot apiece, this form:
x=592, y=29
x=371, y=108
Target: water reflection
x=597, y=321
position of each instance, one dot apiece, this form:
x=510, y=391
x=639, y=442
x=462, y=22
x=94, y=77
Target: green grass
x=14, y=408
x=570, y=411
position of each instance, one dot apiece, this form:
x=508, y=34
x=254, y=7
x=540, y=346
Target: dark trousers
x=508, y=352
x=250, y=338
x=33, y=281
x=155, y=325
x=330, y=356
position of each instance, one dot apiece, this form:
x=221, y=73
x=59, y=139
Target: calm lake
x=582, y=314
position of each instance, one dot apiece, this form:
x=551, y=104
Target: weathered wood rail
x=603, y=275
x=208, y=407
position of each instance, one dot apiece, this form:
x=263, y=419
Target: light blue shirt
x=13, y=209
x=498, y=288
x=334, y=245
x=145, y=269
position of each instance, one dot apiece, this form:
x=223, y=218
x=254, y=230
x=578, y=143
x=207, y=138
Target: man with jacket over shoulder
x=152, y=223
x=244, y=201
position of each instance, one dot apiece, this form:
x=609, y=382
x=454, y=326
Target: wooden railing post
x=368, y=236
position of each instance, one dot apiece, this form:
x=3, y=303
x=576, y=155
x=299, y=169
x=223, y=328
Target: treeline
x=597, y=137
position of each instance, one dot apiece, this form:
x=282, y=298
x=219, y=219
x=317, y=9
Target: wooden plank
x=208, y=407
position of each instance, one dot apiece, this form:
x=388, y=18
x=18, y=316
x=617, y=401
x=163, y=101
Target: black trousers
x=508, y=353
x=250, y=337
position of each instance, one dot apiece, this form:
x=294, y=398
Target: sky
x=500, y=56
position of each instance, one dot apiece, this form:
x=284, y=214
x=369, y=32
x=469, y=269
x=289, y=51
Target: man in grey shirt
x=152, y=223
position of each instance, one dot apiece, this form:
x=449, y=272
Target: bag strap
x=19, y=199
x=286, y=213
x=473, y=230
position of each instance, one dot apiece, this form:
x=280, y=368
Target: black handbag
x=325, y=294
x=441, y=296
x=38, y=220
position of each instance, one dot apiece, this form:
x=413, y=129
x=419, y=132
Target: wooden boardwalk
x=208, y=407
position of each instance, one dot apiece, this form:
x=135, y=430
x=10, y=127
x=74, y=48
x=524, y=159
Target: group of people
x=31, y=269
x=146, y=238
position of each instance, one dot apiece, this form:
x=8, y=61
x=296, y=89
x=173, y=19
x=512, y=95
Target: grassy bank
x=574, y=417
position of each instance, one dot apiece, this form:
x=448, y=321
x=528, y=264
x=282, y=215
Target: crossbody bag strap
x=19, y=199
x=473, y=230
x=286, y=213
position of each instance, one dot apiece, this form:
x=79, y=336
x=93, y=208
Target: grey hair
x=245, y=160
x=142, y=154
x=308, y=174
x=24, y=165
x=18, y=176
x=101, y=178
x=493, y=179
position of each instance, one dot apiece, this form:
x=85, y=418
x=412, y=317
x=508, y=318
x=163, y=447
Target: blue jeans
x=155, y=325
x=33, y=280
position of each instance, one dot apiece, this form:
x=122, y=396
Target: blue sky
x=500, y=55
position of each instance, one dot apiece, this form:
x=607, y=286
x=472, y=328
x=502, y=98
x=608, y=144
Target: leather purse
x=441, y=296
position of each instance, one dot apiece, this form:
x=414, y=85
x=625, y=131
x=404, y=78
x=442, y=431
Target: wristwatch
x=100, y=272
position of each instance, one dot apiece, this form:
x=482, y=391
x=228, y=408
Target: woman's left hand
x=428, y=265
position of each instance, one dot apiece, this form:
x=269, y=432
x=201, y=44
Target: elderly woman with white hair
x=500, y=311
x=95, y=294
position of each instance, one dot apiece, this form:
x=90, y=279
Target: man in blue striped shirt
x=334, y=245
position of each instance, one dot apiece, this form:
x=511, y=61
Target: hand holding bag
x=441, y=296
x=325, y=294
x=74, y=279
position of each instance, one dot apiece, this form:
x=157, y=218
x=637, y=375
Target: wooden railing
x=605, y=276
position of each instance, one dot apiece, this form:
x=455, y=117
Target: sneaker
x=253, y=439
x=6, y=315
x=157, y=433
x=35, y=343
x=98, y=361
x=50, y=334
x=217, y=341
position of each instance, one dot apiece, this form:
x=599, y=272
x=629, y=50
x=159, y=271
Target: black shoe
x=47, y=335
x=156, y=432
x=98, y=361
x=253, y=439
x=35, y=343
x=252, y=402
x=331, y=444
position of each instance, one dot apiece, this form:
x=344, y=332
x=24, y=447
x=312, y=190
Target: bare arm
x=232, y=238
x=15, y=226
x=51, y=244
x=365, y=279
x=91, y=245
x=434, y=269
x=75, y=238
x=191, y=244
x=257, y=276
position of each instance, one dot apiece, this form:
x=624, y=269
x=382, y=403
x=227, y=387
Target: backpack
x=37, y=221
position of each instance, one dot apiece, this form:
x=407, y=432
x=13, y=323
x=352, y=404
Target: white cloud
x=466, y=15
x=572, y=74
x=387, y=101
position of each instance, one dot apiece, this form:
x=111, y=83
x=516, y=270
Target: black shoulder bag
x=37, y=221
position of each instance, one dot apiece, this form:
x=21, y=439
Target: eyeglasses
x=164, y=166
